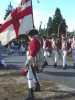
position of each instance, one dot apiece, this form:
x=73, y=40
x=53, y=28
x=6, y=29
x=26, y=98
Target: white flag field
x=18, y=22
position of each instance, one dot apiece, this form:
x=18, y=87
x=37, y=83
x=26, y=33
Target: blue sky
x=46, y=8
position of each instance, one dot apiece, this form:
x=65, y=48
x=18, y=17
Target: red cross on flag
x=18, y=21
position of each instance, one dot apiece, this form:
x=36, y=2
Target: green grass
x=69, y=58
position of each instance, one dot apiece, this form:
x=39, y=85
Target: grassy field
x=13, y=86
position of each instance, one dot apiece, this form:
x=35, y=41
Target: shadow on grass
x=60, y=95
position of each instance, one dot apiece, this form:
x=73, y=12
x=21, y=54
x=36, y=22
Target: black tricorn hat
x=32, y=32
x=53, y=35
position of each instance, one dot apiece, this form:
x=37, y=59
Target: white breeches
x=73, y=55
x=30, y=77
x=45, y=55
x=55, y=55
x=64, y=56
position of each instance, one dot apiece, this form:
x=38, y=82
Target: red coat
x=34, y=47
x=59, y=45
x=48, y=44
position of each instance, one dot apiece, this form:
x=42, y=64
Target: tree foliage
x=49, y=26
x=8, y=10
x=57, y=24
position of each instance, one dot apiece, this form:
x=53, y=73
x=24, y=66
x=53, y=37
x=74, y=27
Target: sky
x=45, y=9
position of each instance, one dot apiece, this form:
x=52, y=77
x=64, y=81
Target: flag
x=18, y=22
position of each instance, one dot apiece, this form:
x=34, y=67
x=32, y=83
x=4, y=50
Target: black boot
x=55, y=64
x=74, y=66
x=64, y=68
x=30, y=96
x=45, y=63
x=43, y=66
x=37, y=87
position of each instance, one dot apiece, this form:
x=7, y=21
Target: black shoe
x=22, y=53
x=12, y=52
x=64, y=68
x=37, y=87
x=9, y=53
x=45, y=63
x=55, y=65
x=43, y=66
x=74, y=66
x=30, y=96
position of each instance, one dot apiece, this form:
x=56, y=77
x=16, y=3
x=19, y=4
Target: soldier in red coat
x=69, y=42
x=54, y=44
x=34, y=52
x=64, y=50
x=45, y=49
x=48, y=43
x=73, y=49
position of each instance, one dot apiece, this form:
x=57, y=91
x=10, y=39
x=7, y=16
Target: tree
x=49, y=26
x=58, y=24
x=9, y=10
x=57, y=18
